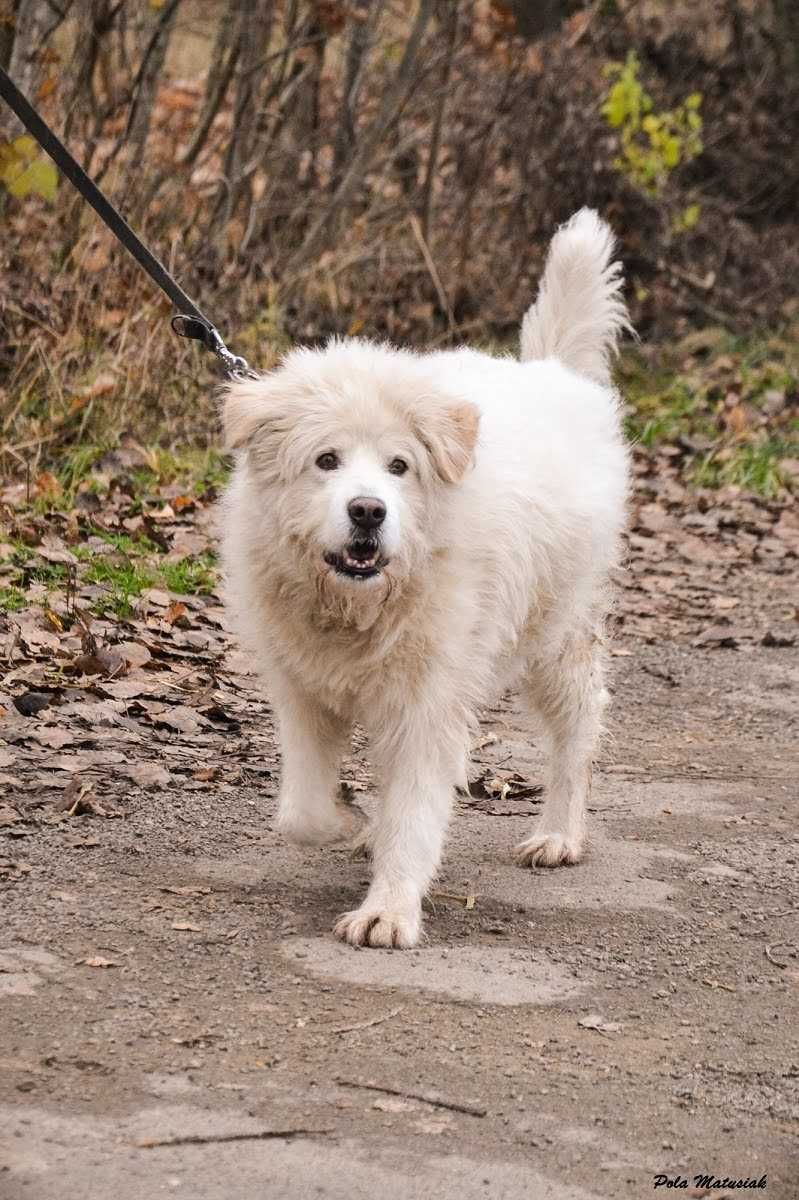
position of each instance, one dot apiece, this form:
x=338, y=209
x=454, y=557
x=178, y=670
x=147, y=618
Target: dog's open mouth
x=360, y=560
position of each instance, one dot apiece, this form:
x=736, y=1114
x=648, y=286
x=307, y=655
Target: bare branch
x=365, y=22
x=438, y=121
x=393, y=100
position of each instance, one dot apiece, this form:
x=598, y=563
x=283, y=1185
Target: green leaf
x=25, y=172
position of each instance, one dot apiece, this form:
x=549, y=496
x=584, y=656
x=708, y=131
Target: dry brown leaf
x=36, y=639
x=53, y=737
x=96, y=960
x=134, y=653
x=146, y=774
x=176, y=612
x=725, y=603
x=157, y=597
x=599, y=1024
x=186, y=927
x=101, y=660
x=467, y=900
x=83, y=759
x=47, y=486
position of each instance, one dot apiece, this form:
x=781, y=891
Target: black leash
x=189, y=321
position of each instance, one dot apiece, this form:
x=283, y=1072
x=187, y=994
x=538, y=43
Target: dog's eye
x=398, y=466
x=328, y=461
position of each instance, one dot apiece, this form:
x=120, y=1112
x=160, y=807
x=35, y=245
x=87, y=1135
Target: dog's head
x=353, y=451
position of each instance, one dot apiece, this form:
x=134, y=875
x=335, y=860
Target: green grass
x=12, y=599
x=190, y=576
x=714, y=394
x=753, y=468
x=123, y=579
x=198, y=472
x=77, y=466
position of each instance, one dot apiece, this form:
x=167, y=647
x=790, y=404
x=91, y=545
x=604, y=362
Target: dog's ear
x=449, y=434
x=247, y=405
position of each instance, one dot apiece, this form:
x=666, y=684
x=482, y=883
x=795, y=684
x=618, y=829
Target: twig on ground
x=202, y=1139
x=468, y=900
x=776, y=961
x=368, y=1024
x=432, y=1098
x=716, y=983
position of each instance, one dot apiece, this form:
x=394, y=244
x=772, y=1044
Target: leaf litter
x=116, y=682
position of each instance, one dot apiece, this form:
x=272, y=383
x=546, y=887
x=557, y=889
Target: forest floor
x=176, y=1016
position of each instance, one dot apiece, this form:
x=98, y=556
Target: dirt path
x=167, y=970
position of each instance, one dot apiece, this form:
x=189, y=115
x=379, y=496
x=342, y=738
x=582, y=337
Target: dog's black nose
x=367, y=512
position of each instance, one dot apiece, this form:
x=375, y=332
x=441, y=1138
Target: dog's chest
x=351, y=670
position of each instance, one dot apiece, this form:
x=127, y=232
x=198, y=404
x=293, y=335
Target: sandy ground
x=170, y=977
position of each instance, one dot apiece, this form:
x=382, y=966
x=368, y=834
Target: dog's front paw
x=368, y=926
x=342, y=823
x=548, y=850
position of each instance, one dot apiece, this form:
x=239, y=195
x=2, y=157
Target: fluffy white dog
x=408, y=535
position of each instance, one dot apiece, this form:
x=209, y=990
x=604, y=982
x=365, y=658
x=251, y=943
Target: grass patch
x=753, y=468
x=729, y=403
x=77, y=466
x=51, y=575
x=124, y=581
x=12, y=599
x=200, y=473
x=190, y=576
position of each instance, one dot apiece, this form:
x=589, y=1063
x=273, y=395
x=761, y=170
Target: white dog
x=408, y=535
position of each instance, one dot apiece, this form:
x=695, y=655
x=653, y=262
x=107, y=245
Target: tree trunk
x=393, y=101
x=32, y=25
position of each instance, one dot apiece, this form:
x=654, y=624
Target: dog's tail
x=579, y=313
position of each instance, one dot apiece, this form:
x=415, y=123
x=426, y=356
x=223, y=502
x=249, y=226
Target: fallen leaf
x=51, y=736
x=468, y=901
x=717, y=636
x=83, y=759
x=146, y=774
x=37, y=639
x=186, y=891
x=31, y=703
x=598, y=1024
x=96, y=961
x=785, y=637
x=724, y=603
x=134, y=653
x=176, y=612
x=100, y=661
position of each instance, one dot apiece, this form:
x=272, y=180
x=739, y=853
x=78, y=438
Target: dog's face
x=352, y=454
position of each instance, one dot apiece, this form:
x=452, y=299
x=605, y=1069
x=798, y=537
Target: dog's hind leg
x=312, y=742
x=568, y=693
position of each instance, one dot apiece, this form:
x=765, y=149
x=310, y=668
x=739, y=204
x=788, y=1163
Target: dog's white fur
x=496, y=550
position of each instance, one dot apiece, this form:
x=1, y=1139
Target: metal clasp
x=199, y=330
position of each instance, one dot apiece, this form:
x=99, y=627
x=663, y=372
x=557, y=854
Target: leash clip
x=198, y=330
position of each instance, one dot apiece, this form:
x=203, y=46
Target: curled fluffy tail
x=579, y=313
